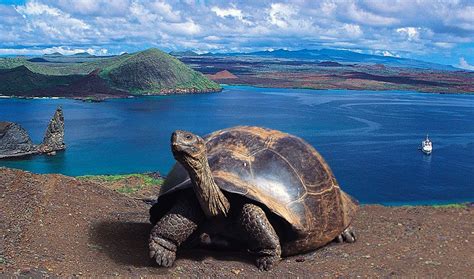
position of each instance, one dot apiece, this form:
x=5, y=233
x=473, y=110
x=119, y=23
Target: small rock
x=236, y=271
x=366, y=257
x=300, y=259
x=432, y=263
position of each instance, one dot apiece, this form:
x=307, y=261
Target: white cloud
x=464, y=65
x=52, y=23
x=411, y=33
x=281, y=14
x=361, y=16
x=232, y=12
x=35, y=8
x=60, y=49
x=165, y=10
x=353, y=30
x=387, y=53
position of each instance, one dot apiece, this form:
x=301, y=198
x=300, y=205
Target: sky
x=429, y=30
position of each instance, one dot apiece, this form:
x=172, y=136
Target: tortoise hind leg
x=173, y=229
x=263, y=240
x=348, y=235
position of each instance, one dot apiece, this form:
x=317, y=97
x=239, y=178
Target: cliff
x=15, y=141
x=54, y=136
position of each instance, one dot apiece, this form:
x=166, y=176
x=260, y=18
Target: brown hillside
x=53, y=225
x=222, y=75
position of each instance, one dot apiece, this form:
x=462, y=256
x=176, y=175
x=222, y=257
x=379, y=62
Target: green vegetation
x=147, y=180
x=126, y=183
x=152, y=71
x=59, y=69
x=21, y=79
x=147, y=72
x=452, y=205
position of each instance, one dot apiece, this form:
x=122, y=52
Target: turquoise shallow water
x=370, y=139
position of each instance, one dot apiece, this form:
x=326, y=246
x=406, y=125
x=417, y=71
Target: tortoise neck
x=210, y=197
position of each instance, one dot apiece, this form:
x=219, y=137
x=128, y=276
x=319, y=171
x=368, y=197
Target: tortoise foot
x=348, y=235
x=265, y=263
x=162, y=251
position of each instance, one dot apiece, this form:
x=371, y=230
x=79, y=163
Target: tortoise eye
x=188, y=136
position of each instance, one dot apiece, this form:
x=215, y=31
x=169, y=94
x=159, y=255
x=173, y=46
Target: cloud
x=403, y=27
x=232, y=12
x=51, y=24
x=281, y=14
x=61, y=49
x=464, y=65
x=411, y=33
x=386, y=53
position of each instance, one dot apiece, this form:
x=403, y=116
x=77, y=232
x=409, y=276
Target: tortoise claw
x=162, y=252
x=349, y=235
x=265, y=263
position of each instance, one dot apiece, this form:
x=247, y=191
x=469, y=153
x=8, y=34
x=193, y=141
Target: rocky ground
x=58, y=226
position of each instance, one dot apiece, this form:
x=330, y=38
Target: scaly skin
x=173, y=229
x=263, y=239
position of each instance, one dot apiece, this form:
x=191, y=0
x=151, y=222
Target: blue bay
x=370, y=139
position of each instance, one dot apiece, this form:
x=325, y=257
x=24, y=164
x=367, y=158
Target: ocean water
x=370, y=139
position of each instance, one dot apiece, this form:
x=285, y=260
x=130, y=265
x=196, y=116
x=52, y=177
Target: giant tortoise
x=265, y=188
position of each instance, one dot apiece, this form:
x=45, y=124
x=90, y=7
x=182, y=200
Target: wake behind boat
x=427, y=146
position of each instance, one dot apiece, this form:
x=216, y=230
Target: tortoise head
x=187, y=147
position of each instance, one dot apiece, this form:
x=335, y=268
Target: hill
x=222, y=75
x=21, y=80
x=153, y=71
x=58, y=226
x=147, y=72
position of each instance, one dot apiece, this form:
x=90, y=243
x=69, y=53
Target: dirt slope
x=53, y=225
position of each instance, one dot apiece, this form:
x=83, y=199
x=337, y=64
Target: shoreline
x=98, y=99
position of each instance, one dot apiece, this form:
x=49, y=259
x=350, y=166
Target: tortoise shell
x=280, y=171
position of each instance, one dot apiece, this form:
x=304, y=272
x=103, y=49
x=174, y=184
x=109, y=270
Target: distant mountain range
x=147, y=72
x=330, y=69
x=342, y=56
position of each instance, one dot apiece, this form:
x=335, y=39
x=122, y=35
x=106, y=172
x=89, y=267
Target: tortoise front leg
x=263, y=239
x=173, y=229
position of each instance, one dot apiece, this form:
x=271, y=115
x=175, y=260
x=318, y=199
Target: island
x=329, y=69
x=88, y=77
x=15, y=141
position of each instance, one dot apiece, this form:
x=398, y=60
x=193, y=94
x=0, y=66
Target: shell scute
x=306, y=160
x=276, y=177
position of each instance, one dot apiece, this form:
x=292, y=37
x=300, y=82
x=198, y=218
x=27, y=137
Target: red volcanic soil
x=59, y=226
x=222, y=75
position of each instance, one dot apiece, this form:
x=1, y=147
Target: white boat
x=427, y=146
